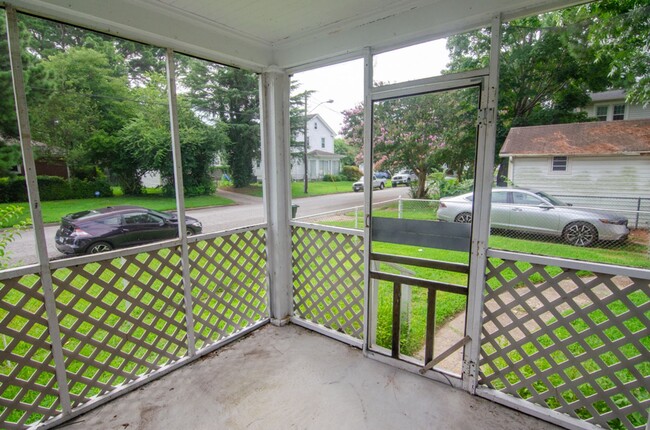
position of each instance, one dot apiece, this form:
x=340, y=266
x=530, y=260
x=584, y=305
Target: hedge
x=14, y=189
x=352, y=173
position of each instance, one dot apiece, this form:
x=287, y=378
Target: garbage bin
x=294, y=210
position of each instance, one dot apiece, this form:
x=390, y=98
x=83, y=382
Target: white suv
x=404, y=177
x=376, y=183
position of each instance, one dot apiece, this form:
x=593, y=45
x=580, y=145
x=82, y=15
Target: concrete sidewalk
x=291, y=378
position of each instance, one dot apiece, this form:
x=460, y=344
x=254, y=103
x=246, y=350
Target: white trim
x=180, y=198
x=49, y=299
x=534, y=410
x=607, y=269
x=434, y=375
x=327, y=228
x=341, y=337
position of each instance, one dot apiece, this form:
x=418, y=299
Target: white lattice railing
x=569, y=336
x=122, y=319
x=328, y=280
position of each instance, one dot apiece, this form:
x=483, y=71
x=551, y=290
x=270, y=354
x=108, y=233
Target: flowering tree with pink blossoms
x=422, y=133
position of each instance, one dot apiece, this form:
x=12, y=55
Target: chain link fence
x=605, y=230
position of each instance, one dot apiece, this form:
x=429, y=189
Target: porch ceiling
x=288, y=33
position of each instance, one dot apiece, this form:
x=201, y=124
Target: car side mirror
x=545, y=206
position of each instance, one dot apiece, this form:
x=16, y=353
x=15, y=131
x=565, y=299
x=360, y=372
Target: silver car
x=534, y=211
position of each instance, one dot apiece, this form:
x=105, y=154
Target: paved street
x=247, y=210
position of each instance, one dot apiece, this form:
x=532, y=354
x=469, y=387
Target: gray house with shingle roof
x=603, y=163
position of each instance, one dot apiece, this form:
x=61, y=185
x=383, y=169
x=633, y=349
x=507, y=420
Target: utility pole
x=306, y=139
x=305, y=146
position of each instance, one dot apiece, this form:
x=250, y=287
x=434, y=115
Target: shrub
x=9, y=216
x=13, y=189
x=352, y=173
x=333, y=178
x=53, y=188
x=82, y=189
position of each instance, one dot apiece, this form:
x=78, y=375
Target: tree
x=88, y=102
x=229, y=95
x=549, y=63
x=147, y=137
x=407, y=133
x=621, y=38
x=423, y=133
x=10, y=156
x=342, y=148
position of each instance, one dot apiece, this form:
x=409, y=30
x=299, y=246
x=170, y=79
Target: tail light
x=80, y=233
x=442, y=205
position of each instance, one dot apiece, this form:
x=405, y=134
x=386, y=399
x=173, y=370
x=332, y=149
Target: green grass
x=315, y=188
x=448, y=305
x=54, y=210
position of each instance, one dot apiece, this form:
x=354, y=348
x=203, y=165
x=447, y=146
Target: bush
x=9, y=217
x=333, y=178
x=13, y=189
x=82, y=189
x=352, y=173
x=53, y=188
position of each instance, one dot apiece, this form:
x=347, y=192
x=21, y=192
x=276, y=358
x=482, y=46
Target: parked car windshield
x=553, y=200
x=164, y=215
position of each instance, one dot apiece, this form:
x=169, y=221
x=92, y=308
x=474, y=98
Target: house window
x=619, y=112
x=315, y=126
x=601, y=113
x=559, y=164
x=322, y=142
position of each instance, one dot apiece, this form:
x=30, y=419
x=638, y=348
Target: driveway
x=247, y=210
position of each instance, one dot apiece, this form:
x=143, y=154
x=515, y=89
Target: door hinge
x=485, y=116
x=469, y=369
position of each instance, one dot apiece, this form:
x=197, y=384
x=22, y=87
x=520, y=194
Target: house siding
x=608, y=182
x=638, y=112
x=632, y=111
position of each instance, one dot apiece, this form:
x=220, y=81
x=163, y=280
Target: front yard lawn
x=316, y=188
x=54, y=210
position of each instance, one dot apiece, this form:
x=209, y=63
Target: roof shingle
x=585, y=138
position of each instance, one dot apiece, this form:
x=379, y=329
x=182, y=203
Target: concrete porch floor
x=292, y=378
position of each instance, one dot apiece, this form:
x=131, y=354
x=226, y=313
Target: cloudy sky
x=343, y=83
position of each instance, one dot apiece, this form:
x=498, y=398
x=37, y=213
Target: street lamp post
x=306, y=140
x=305, y=147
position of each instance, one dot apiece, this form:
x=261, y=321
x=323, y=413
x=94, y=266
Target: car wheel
x=98, y=247
x=394, y=185
x=189, y=232
x=580, y=234
x=464, y=217
x=381, y=186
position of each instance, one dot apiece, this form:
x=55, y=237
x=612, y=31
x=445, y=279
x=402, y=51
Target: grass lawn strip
x=54, y=210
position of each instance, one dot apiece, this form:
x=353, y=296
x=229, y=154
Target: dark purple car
x=100, y=230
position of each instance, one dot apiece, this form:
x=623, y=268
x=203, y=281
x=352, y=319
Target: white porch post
x=274, y=104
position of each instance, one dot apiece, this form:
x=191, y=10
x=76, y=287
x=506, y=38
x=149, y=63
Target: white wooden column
x=276, y=155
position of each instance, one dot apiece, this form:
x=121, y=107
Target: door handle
x=517, y=209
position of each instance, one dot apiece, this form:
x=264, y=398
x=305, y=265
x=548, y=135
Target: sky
x=343, y=83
